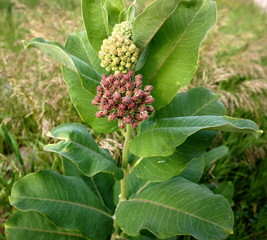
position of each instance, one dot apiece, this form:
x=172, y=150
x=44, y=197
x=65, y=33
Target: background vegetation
x=34, y=98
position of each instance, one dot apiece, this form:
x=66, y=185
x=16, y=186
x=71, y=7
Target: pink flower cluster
x=120, y=97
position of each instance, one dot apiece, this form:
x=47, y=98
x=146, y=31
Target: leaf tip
x=25, y=44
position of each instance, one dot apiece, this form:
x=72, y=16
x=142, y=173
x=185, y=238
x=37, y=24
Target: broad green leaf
x=226, y=189
x=87, y=74
x=116, y=12
x=173, y=51
x=79, y=46
x=33, y=225
x=165, y=135
x=215, y=154
x=177, y=207
x=148, y=22
x=101, y=184
x=95, y=17
x=198, y=101
x=77, y=145
x=66, y=201
x=194, y=170
x=159, y=169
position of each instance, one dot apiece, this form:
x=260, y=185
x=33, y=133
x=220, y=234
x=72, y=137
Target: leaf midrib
x=46, y=231
x=178, y=40
x=177, y=210
x=65, y=202
x=160, y=25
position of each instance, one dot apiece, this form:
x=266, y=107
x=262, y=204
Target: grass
x=34, y=98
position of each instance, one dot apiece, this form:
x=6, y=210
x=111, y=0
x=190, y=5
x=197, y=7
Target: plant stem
x=125, y=158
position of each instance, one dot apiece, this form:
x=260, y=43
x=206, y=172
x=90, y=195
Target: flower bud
x=127, y=120
x=111, y=102
x=131, y=105
x=134, y=124
x=131, y=73
x=100, y=89
x=144, y=115
x=149, y=99
x=126, y=100
x=112, y=117
x=148, y=88
x=116, y=96
x=121, y=125
x=149, y=108
x=108, y=93
x=129, y=93
x=117, y=83
x=99, y=114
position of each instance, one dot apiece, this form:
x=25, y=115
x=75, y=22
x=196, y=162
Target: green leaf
x=116, y=12
x=215, y=154
x=159, y=169
x=95, y=17
x=79, y=46
x=131, y=12
x=198, y=101
x=77, y=145
x=194, y=170
x=165, y=135
x=173, y=54
x=177, y=207
x=101, y=184
x=81, y=79
x=87, y=74
x=226, y=189
x=148, y=22
x=133, y=185
x=33, y=225
x=66, y=201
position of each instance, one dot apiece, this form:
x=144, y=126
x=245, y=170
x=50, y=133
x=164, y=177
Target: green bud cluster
x=118, y=53
x=123, y=29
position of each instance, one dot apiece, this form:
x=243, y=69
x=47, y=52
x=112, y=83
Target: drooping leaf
x=173, y=51
x=87, y=74
x=148, y=22
x=101, y=183
x=79, y=46
x=177, y=207
x=33, y=225
x=165, y=135
x=77, y=145
x=66, y=201
x=95, y=17
x=77, y=76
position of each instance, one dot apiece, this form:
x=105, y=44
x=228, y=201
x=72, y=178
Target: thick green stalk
x=125, y=159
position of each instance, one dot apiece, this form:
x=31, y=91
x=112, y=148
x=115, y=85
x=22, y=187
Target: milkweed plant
x=123, y=74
